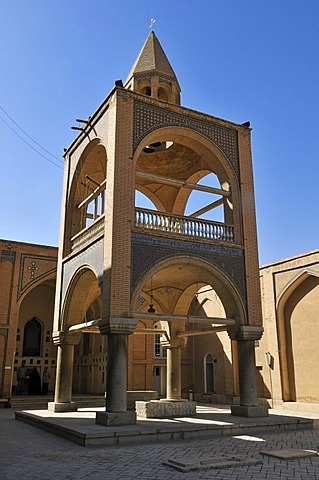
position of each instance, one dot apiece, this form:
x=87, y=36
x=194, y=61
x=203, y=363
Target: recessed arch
x=32, y=338
x=209, y=373
x=289, y=300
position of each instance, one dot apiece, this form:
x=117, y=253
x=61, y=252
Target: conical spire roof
x=152, y=57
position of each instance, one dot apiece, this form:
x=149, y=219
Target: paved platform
x=34, y=454
x=211, y=421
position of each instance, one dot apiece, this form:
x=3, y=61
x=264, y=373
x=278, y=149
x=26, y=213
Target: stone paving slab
x=290, y=454
x=188, y=464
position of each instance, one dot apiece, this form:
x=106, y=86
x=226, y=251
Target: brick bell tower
x=121, y=265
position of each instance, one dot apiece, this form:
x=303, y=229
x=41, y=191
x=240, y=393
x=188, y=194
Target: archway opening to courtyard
x=185, y=305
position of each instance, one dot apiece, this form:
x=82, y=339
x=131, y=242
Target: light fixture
x=151, y=309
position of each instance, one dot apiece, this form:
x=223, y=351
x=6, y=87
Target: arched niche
x=298, y=337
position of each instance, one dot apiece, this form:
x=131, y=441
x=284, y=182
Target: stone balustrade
x=178, y=224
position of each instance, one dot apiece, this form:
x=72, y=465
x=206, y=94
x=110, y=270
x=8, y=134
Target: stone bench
x=165, y=409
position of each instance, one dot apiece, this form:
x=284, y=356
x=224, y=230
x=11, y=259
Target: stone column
x=116, y=412
x=63, y=385
x=174, y=384
x=246, y=336
x=117, y=373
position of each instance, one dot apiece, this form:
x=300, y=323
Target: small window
x=159, y=351
x=147, y=91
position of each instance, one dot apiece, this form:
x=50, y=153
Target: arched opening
x=143, y=201
x=209, y=373
x=146, y=91
x=190, y=183
x=32, y=338
x=191, y=289
x=83, y=307
x=206, y=205
x=87, y=198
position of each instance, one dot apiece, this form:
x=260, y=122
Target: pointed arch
x=195, y=271
x=288, y=298
x=32, y=338
x=82, y=297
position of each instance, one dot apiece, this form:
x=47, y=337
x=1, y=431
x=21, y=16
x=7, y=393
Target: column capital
x=124, y=326
x=245, y=332
x=61, y=337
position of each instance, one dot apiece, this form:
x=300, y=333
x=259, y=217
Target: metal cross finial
x=152, y=24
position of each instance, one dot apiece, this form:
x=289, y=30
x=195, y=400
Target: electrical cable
x=33, y=148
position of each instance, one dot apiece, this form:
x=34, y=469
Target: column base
x=243, y=411
x=113, y=419
x=165, y=409
x=56, y=407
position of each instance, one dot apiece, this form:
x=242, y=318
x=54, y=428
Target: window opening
x=159, y=351
x=32, y=338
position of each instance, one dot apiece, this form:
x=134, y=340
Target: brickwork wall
x=249, y=229
x=23, y=267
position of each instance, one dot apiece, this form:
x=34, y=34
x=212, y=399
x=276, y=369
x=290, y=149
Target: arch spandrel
x=148, y=118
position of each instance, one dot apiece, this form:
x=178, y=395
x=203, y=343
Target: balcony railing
x=89, y=233
x=154, y=220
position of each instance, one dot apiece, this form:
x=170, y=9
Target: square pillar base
x=113, y=419
x=165, y=409
x=55, y=407
x=243, y=411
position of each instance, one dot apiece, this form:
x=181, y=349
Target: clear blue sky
x=240, y=60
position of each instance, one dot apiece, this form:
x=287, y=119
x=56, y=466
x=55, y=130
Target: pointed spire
x=152, y=58
x=152, y=74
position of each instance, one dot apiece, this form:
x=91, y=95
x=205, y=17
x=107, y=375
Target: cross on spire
x=152, y=24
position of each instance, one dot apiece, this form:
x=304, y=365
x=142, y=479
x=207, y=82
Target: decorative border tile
x=148, y=118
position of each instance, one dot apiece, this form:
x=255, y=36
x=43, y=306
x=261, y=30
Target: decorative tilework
x=147, y=251
x=33, y=268
x=8, y=255
x=148, y=118
x=141, y=76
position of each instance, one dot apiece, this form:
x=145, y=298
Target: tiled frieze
x=148, y=118
x=147, y=251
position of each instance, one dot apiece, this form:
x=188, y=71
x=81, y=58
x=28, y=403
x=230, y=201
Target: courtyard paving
x=32, y=454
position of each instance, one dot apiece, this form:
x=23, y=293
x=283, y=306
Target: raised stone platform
x=165, y=409
x=80, y=427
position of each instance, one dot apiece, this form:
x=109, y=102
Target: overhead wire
x=29, y=136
